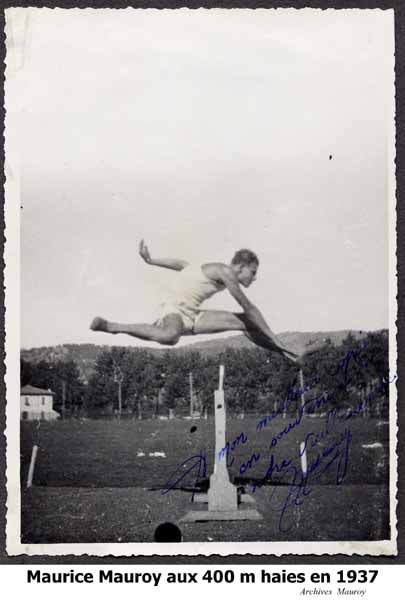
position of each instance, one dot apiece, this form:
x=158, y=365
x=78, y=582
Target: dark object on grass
x=168, y=532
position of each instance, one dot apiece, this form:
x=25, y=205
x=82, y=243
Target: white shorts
x=189, y=316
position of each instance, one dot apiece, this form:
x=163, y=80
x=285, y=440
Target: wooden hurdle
x=224, y=501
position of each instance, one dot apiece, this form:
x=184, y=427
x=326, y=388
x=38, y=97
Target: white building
x=36, y=404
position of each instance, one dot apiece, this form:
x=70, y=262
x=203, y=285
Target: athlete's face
x=247, y=274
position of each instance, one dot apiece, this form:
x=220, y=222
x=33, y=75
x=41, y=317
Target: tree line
x=135, y=382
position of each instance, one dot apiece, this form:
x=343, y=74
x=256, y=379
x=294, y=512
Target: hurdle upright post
x=303, y=450
x=222, y=497
x=221, y=378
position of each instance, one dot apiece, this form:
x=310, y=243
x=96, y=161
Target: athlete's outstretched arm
x=258, y=326
x=168, y=263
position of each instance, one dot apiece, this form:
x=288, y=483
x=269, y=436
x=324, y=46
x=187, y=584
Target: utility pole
x=119, y=378
x=191, y=394
x=63, y=398
x=139, y=406
x=161, y=393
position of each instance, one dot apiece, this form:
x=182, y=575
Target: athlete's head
x=245, y=264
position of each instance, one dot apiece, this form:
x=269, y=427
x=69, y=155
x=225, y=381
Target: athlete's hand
x=293, y=357
x=144, y=252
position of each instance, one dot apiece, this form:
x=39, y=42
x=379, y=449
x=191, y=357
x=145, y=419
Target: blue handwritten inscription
x=230, y=447
x=196, y=464
x=249, y=463
x=328, y=447
x=331, y=449
x=292, y=395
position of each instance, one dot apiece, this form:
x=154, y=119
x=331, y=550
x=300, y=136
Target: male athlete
x=182, y=314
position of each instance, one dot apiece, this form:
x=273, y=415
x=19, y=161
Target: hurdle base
x=242, y=513
x=242, y=499
x=195, y=516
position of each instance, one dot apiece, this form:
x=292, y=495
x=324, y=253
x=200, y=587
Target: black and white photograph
x=200, y=282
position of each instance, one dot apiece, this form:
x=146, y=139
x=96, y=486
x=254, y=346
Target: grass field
x=104, y=480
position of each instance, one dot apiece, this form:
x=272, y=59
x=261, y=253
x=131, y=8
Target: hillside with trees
x=86, y=355
x=142, y=383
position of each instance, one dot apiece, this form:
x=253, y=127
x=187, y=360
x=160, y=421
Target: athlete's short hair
x=244, y=257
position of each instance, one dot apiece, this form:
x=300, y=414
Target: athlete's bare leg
x=218, y=321
x=167, y=332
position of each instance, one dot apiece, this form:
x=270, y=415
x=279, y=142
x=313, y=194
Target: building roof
x=30, y=390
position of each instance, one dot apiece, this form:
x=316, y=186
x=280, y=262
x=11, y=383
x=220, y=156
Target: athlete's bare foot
x=99, y=324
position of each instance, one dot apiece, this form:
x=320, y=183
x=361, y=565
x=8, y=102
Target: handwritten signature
x=299, y=483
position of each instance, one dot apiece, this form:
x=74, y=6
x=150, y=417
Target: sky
x=200, y=131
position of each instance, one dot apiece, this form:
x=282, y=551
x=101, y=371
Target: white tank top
x=193, y=287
